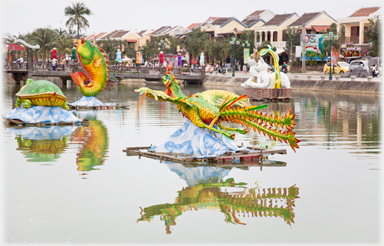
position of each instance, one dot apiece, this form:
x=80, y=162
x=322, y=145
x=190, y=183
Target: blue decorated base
x=43, y=133
x=199, y=142
x=90, y=101
x=42, y=114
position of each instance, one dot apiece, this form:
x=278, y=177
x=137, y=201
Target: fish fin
x=79, y=78
x=97, y=62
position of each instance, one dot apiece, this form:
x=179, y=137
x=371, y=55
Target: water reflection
x=207, y=189
x=42, y=144
x=94, y=142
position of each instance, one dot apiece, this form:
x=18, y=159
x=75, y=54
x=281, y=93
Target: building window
x=274, y=36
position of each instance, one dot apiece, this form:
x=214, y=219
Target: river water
x=75, y=184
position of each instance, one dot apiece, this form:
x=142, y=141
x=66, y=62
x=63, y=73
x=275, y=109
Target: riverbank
x=307, y=82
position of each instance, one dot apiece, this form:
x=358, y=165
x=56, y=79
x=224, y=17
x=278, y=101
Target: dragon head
x=170, y=81
x=85, y=50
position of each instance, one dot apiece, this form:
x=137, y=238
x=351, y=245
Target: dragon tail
x=268, y=125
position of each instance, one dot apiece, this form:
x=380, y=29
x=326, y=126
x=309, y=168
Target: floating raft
x=268, y=94
x=105, y=107
x=244, y=156
x=20, y=122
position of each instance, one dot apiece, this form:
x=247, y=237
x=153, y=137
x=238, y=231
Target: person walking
x=21, y=61
x=54, y=64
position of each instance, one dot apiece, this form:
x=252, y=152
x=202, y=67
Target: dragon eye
x=91, y=44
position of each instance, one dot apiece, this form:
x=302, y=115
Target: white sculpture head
x=261, y=66
x=251, y=62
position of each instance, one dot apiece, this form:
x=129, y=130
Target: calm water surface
x=75, y=184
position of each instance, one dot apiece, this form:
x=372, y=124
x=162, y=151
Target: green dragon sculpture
x=215, y=106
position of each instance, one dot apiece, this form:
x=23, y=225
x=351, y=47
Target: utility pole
x=303, y=33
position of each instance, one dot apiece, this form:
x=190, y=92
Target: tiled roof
x=365, y=11
x=306, y=17
x=251, y=21
x=100, y=35
x=90, y=37
x=142, y=32
x=159, y=30
x=109, y=35
x=278, y=19
x=221, y=20
x=214, y=18
x=120, y=34
x=254, y=15
x=192, y=25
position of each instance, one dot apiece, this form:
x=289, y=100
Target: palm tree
x=63, y=44
x=194, y=42
x=76, y=14
x=45, y=37
x=60, y=31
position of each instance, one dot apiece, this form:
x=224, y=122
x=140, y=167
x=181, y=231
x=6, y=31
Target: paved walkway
x=301, y=76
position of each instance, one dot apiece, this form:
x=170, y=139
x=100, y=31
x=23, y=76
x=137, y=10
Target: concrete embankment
x=361, y=85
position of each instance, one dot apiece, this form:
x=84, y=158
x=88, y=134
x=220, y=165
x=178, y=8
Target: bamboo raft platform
x=245, y=156
x=268, y=94
x=107, y=107
x=20, y=122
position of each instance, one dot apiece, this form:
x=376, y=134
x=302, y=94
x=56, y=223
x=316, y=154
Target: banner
x=314, y=46
x=246, y=55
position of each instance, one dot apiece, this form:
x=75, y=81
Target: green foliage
x=293, y=38
x=76, y=14
x=194, y=42
x=249, y=36
x=45, y=37
x=63, y=44
x=373, y=36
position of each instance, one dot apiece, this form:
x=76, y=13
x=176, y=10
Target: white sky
x=22, y=16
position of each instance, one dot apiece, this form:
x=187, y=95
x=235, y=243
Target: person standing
x=74, y=58
x=244, y=69
x=54, y=53
x=54, y=64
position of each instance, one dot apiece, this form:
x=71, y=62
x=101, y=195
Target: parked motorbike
x=321, y=69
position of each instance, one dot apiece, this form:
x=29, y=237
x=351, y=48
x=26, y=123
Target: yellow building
x=355, y=24
x=273, y=31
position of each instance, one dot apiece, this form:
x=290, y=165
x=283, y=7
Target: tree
x=63, y=44
x=249, y=36
x=373, y=36
x=76, y=14
x=60, y=31
x=45, y=37
x=194, y=42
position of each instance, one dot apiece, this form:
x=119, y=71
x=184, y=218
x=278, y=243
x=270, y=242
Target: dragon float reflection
x=208, y=190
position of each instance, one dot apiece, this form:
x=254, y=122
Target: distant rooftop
x=254, y=15
x=278, y=19
x=305, y=18
x=365, y=11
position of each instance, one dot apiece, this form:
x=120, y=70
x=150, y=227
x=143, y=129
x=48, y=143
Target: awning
x=320, y=28
x=131, y=40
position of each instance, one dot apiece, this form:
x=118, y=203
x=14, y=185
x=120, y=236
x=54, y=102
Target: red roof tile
x=365, y=11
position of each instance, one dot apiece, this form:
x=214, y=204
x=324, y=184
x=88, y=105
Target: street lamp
x=233, y=43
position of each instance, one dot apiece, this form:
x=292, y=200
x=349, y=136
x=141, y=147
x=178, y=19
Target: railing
x=352, y=39
x=74, y=67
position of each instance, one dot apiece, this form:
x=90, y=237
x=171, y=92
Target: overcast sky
x=22, y=16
